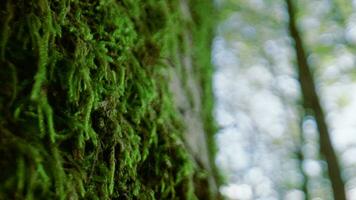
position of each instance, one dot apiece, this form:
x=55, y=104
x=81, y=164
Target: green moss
x=194, y=41
x=203, y=33
x=85, y=111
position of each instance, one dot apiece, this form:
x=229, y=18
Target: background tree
x=257, y=86
x=311, y=102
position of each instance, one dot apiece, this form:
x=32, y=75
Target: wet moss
x=85, y=111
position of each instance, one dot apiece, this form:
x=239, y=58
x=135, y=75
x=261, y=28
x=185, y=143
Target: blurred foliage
x=256, y=69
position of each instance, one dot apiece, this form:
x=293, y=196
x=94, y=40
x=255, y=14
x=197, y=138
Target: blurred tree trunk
x=312, y=104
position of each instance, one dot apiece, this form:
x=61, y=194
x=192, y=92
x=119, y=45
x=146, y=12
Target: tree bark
x=312, y=103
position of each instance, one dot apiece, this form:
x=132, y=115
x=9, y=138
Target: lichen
x=85, y=111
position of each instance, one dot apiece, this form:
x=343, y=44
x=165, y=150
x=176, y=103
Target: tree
x=312, y=106
x=86, y=111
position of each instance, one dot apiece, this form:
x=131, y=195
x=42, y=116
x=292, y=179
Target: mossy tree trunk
x=85, y=106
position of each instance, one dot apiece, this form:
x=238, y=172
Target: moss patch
x=85, y=111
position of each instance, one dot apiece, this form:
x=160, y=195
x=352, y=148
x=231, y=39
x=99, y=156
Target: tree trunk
x=86, y=110
x=312, y=103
